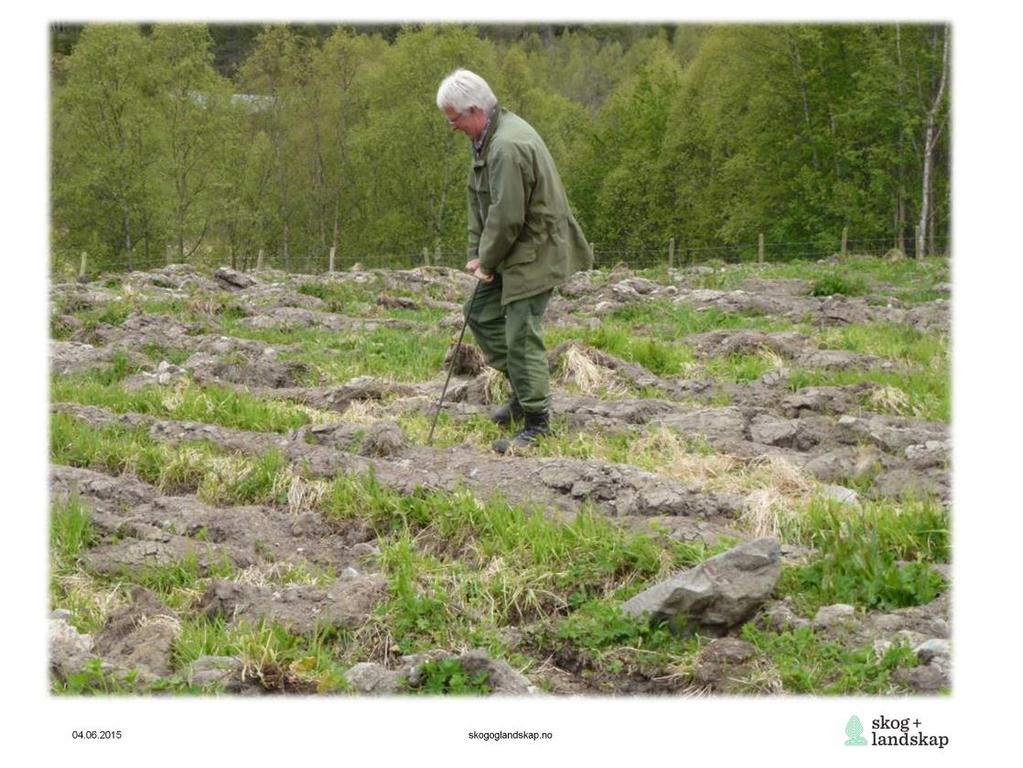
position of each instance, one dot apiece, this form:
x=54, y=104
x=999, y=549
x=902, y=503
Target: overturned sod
x=248, y=494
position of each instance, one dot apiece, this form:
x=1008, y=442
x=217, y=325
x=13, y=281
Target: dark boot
x=510, y=410
x=537, y=426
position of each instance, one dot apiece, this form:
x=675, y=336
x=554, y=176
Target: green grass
x=836, y=284
x=461, y=569
x=160, y=352
x=810, y=665
x=93, y=680
x=738, y=367
x=912, y=280
x=665, y=318
x=657, y=356
x=452, y=555
x=600, y=626
x=186, y=575
x=270, y=654
x=345, y=298
x=71, y=531
x=898, y=343
x=210, y=404
x=923, y=392
x=217, y=477
x=856, y=554
x=447, y=677
x=337, y=357
x=476, y=430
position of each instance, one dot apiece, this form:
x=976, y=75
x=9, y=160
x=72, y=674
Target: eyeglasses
x=453, y=121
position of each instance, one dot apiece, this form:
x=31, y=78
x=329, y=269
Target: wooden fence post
x=259, y=259
x=845, y=240
x=81, y=269
x=671, y=253
x=331, y=267
x=760, y=248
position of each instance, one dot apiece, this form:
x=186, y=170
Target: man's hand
x=474, y=267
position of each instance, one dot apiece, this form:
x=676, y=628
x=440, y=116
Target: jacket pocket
x=522, y=253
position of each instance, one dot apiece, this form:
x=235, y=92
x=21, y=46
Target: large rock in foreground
x=720, y=593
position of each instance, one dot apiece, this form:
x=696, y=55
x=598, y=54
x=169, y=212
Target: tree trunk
x=930, y=140
x=797, y=68
x=900, y=221
x=127, y=239
x=900, y=189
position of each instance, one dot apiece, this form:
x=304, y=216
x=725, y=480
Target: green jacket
x=520, y=224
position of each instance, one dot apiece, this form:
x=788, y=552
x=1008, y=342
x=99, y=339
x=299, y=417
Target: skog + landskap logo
x=854, y=730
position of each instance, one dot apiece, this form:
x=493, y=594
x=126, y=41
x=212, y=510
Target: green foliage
x=93, y=679
x=664, y=358
x=338, y=357
x=838, y=285
x=71, y=531
x=858, y=556
x=599, y=625
x=710, y=135
x=807, y=664
x=418, y=614
x=899, y=343
x=926, y=389
x=447, y=677
x=216, y=476
x=270, y=654
x=159, y=352
x=208, y=403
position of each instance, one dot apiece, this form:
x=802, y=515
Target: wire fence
x=671, y=255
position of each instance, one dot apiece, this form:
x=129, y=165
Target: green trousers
x=511, y=338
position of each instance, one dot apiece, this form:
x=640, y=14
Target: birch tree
x=937, y=116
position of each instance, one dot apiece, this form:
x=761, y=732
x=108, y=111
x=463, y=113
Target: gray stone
x=365, y=550
x=214, y=670
x=147, y=648
x=347, y=603
x=412, y=664
x=929, y=678
x=721, y=660
x=370, y=678
x=232, y=279
x=383, y=439
x=720, y=593
x=775, y=376
x=770, y=430
x=780, y=617
x=928, y=649
x=501, y=676
x=140, y=636
x=933, y=453
x=640, y=285
x=69, y=649
x=841, y=494
x=835, y=616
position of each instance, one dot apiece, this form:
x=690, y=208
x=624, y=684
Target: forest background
x=210, y=144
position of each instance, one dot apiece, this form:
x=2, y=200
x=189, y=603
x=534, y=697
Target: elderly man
x=523, y=241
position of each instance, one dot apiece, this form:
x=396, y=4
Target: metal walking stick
x=454, y=361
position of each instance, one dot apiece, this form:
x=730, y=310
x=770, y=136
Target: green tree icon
x=854, y=730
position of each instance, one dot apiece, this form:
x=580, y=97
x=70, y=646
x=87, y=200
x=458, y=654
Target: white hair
x=463, y=89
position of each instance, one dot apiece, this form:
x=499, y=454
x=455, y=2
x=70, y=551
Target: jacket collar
x=492, y=123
